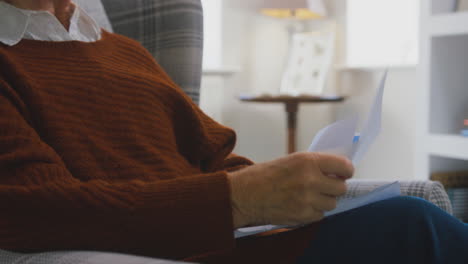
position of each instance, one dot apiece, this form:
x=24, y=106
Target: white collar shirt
x=17, y=24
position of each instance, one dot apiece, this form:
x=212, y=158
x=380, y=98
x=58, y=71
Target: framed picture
x=462, y=5
x=308, y=64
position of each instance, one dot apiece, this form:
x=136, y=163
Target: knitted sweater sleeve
x=45, y=208
x=235, y=162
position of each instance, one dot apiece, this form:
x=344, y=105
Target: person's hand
x=296, y=189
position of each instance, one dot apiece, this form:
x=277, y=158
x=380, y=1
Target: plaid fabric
x=431, y=191
x=172, y=30
x=459, y=199
x=76, y=257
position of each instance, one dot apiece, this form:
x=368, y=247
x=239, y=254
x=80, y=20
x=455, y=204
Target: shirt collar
x=85, y=24
x=14, y=24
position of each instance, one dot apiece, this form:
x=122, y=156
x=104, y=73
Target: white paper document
x=340, y=139
x=379, y=194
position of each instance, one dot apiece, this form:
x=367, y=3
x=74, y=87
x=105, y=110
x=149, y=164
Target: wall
x=258, y=46
x=392, y=155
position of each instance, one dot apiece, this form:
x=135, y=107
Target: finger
x=324, y=202
x=331, y=186
x=312, y=215
x=334, y=165
x=318, y=215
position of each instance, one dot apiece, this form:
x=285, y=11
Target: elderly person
x=100, y=150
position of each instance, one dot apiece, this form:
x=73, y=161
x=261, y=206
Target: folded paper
x=340, y=139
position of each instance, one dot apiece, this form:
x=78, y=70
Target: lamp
x=297, y=9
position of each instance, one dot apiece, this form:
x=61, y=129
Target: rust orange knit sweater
x=100, y=150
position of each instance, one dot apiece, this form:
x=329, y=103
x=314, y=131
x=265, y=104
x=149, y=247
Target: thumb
x=335, y=166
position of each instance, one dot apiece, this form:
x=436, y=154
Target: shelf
x=449, y=24
x=344, y=67
x=442, y=93
x=449, y=146
x=223, y=71
x=448, y=80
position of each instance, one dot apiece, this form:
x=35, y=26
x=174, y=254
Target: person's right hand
x=296, y=189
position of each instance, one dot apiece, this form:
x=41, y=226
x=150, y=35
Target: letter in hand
x=293, y=190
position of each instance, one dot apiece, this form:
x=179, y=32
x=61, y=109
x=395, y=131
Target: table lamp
x=296, y=9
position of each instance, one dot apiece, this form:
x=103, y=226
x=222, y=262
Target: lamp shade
x=300, y=9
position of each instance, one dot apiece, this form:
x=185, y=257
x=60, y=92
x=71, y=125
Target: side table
x=292, y=106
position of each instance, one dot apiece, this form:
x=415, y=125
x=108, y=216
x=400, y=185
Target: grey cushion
x=95, y=9
x=172, y=30
x=76, y=257
x=431, y=191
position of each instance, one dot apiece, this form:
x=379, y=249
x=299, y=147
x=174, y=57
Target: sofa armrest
x=77, y=257
x=431, y=191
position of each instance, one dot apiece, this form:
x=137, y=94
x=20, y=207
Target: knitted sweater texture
x=100, y=150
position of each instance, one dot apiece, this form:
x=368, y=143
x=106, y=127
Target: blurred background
x=252, y=45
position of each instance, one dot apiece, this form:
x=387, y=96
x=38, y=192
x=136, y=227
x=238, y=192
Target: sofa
x=172, y=30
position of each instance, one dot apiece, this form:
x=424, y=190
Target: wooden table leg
x=291, y=110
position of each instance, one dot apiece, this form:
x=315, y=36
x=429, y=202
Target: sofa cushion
x=76, y=257
x=431, y=191
x=171, y=30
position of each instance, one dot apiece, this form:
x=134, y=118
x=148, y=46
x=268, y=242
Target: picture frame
x=308, y=63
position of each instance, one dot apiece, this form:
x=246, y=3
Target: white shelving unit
x=449, y=146
x=448, y=24
x=443, y=91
